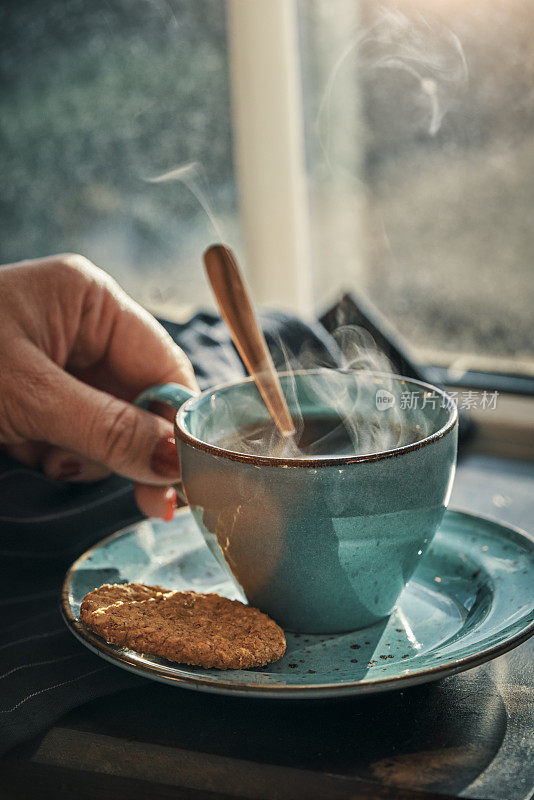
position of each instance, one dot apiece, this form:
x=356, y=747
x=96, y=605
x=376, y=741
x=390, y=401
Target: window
x=385, y=149
x=420, y=146
x=98, y=98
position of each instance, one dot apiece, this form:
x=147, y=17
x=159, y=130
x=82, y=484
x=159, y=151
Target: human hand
x=75, y=350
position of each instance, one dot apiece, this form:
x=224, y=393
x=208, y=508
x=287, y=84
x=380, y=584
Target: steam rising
x=431, y=54
x=190, y=174
x=334, y=407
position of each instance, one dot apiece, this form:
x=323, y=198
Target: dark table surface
x=470, y=735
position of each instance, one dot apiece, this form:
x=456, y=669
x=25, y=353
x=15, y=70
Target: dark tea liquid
x=320, y=437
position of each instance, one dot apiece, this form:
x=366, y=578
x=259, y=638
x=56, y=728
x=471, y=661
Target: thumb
x=70, y=414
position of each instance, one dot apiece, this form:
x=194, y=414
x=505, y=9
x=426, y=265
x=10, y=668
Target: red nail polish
x=69, y=469
x=172, y=503
x=164, y=460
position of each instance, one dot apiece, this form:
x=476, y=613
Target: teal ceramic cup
x=324, y=543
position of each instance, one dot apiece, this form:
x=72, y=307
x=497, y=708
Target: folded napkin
x=45, y=526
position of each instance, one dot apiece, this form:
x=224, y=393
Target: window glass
x=420, y=147
x=97, y=99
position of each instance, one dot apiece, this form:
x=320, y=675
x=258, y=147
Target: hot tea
x=323, y=436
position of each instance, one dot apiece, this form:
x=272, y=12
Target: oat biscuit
x=111, y=593
x=203, y=630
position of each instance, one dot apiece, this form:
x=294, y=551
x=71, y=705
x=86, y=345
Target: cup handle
x=173, y=395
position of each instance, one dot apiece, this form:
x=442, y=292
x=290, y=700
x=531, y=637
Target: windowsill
x=506, y=431
x=459, y=364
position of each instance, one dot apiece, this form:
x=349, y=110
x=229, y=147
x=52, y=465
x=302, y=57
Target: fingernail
x=164, y=460
x=171, y=500
x=69, y=469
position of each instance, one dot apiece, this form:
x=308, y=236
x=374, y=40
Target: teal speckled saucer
x=470, y=599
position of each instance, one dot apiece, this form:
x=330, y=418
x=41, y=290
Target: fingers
x=155, y=501
x=28, y=453
x=120, y=347
x=65, y=465
x=56, y=463
x=81, y=318
x=99, y=427
x=74, y=317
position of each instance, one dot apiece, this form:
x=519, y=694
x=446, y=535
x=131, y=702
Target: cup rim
x=306, y=462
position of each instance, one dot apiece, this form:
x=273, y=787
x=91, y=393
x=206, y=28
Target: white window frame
x=289, y=262
x=269, y=151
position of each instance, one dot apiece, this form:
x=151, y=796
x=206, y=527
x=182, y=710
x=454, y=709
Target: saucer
x=471, y=599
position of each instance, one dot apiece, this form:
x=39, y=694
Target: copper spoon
x=236, y=310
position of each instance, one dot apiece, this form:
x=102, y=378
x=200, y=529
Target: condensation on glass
x=418, y=121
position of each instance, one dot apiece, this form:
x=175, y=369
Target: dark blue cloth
x=45, y=525
x=206, y=340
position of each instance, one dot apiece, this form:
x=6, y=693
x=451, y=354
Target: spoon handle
x=236, y=310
